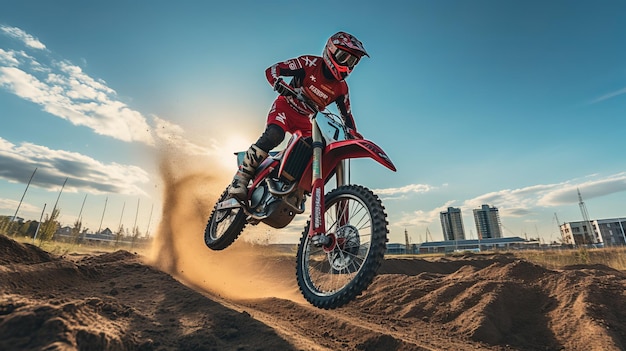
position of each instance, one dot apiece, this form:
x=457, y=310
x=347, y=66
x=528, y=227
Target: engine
x=275, y=203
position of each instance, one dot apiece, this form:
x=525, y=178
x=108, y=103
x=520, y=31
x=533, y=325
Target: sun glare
x=228, y=147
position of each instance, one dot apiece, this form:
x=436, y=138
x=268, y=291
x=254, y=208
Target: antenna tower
x=406, y=240
x=583, y=211
x=558, y=225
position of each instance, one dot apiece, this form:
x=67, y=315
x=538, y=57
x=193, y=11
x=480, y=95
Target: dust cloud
x=245, y=270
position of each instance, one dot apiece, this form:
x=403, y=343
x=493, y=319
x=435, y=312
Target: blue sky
x=514, y=104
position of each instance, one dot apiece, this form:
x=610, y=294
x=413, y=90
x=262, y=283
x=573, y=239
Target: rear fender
x=342, y=150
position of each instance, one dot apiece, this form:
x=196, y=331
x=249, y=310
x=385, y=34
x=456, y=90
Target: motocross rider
x=322, y=81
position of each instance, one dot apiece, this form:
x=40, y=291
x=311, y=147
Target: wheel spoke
x=349, y=220
x=332, y=276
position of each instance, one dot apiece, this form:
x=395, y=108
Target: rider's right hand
x=287, y=90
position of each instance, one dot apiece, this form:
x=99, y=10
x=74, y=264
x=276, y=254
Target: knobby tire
x=219, y=234
x=359, y=273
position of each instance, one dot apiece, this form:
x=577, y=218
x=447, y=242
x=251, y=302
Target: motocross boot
x=239, y=187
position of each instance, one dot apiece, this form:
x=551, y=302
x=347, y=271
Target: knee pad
x=271, y=137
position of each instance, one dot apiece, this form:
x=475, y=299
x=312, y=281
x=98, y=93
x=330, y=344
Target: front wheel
x=224, y=226
x=333, y=275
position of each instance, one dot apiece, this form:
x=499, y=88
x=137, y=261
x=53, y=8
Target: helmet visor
x=345, y=58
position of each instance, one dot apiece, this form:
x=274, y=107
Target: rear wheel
x=333, y=275
x=224, y=226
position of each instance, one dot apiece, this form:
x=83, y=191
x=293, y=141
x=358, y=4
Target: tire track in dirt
x=347, y=328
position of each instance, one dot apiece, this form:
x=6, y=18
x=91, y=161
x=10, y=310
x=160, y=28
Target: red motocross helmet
x=342, y=52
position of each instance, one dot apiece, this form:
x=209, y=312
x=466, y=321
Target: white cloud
x=9, y=206
x=26, y=38
x=523, y=201
x=421, y=218
x=8, y=58
x=23, y=85
x=567, y=192
x=53, y=166
x=80, y=100
x=65, y=91
x=411, y=188
x=520, y=202
x=609, y=96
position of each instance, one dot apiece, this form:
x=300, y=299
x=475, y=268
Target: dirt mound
x=441, y=265
x=13, y=252
x=117, y=256
x=115, y=301
x=509, y=302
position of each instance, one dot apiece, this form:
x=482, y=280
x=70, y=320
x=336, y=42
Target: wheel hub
x=348, y=242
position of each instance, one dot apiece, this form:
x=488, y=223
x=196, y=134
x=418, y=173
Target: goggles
x=345, y=58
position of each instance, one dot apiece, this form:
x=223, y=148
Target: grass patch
x=614, y=257
x=63, y=248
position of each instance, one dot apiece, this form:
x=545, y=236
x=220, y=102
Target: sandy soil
x=122, y=301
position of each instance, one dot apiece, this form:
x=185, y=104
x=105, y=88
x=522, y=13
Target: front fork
x=318, y=223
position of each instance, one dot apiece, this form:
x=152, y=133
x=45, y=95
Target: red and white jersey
x=308, y=75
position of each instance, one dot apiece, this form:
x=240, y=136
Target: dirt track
x=115, y=301
x=185, y=297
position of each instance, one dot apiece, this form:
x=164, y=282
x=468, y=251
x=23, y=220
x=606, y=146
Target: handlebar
x=285, y=89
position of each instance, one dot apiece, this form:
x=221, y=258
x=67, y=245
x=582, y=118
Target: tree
x=135, y=236
x=8, y=226
x=49, y=226
x=76, y=231
x=4, y=224
x=119, y=235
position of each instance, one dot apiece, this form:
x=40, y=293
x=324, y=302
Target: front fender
x=342, y=150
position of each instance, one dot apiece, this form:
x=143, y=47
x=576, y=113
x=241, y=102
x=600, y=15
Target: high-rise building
x=487, y=222
x=452, y=224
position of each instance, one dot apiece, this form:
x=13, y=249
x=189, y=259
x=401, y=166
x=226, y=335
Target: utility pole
x=81, y=209
x=22, y=199
x=101, y=219
x=59, y=196
x=149, y=220
x=136, y=214
x=135, y=230
x=39, y=224
x=558, y=224
x=119, y=233
x=121, y=216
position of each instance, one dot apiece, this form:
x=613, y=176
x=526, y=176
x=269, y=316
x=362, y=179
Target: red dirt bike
x=344, y=241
